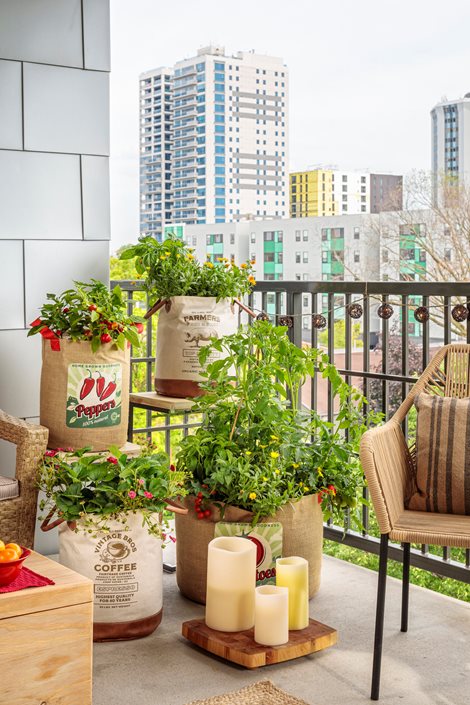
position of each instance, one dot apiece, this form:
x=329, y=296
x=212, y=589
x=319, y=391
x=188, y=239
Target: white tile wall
x=11, y=132
x=39, y=195
x=47, y=31
x=66, y=110
x=80, y=261
x=96, y=23
x=95, y=190
x=20, y=372
x=11, y=284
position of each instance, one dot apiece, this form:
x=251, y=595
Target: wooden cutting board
x=240, y=647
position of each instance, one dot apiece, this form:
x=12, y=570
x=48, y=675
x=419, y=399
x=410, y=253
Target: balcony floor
x=430, y=665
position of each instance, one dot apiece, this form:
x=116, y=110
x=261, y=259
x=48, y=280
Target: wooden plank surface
x=240, y=647
x=159, y=402
x=47, y=657
x=70, y=589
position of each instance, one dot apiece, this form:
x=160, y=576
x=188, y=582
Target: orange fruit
x=8, y=555
x=2, y=545
x=14, y=547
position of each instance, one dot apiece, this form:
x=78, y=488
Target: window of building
x=305, y=257
x=269, y=256
x=356, y=233
x=305, y=235
x=384, y=255
x=306, y=300
x=268, y=236
x=232, y=238
x=218, y=238
x=297, y=235
x=297, y=277
x=325, y=257
x=253, y=237
x=357, y=256
x=297, y=258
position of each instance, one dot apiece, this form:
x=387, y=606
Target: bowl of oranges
x=11, y=561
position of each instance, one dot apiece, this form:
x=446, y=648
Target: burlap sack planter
x=85, y=395
x=126, y=567
x=185, y=324
x=302, y=524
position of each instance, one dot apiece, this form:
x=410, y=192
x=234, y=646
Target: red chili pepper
x=100, y=384
x=87, y=386
x=108, y=390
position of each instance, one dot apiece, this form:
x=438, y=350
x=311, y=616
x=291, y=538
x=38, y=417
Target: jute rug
x=262, y=693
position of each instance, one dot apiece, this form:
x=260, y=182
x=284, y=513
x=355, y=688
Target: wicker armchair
x=389, y=466
x=18, y=496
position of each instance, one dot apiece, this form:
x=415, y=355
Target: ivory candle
x=292, y=573
x=231, y=581
x=271, y=615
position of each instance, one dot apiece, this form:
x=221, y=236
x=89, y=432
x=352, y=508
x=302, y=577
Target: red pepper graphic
x=100, y=382
x=87, y=386
x=109, y=389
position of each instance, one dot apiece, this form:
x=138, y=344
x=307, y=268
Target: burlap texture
x=55, y=394
x=302, y=525
x=185, y=324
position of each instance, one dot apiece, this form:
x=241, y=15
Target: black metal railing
x=381, y=356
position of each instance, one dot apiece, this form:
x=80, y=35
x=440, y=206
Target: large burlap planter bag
x=302, y=527
x=126, y=567
x=85, y=395
x=185, y=324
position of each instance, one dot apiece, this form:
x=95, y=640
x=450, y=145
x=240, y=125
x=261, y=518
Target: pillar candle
x=271, y=615
x=231, y=581
x=292, y=573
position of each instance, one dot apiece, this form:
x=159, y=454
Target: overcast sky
x=364, y=75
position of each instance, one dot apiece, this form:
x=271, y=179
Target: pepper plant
x=258, y=448
x=94, y=490
x=89, y=312
x=170, y=269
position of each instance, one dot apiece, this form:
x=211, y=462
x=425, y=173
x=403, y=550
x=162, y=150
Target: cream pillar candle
x=231, y=581
x=292, y=573
x=271, y=615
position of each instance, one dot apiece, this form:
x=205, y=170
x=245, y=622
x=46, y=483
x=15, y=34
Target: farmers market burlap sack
x=302, y=535
x=185, y=324
x=126, y=567
x=85, y=395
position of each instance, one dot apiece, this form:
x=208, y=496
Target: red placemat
x=26, y=579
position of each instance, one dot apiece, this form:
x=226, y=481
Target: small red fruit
x=200, y=515
x=139, y=327
x=105, y=338
x=92, y=307
x=65, y=310
x=207, y=513
x=58, y=332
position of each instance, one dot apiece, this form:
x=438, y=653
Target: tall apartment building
x=228, y=140
x=450, y=140
x=322, y=192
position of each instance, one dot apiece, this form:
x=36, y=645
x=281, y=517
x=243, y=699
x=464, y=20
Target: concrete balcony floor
x=429, y=665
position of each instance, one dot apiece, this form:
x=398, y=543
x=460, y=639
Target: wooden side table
x=46, y=639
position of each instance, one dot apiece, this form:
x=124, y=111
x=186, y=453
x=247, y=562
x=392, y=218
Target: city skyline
x=360, y=97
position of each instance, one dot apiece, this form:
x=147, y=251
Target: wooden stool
x=46, y=642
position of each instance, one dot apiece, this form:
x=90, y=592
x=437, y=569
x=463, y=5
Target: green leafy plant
x=170, y=269
x=89, y=312
x=257, y=447
x=96, y=489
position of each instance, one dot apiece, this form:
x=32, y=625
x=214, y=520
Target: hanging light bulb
x=421, y=314
x=318, y=321
x=460, y=313
x=354, y=310
x=286, y=321
x=385, y=311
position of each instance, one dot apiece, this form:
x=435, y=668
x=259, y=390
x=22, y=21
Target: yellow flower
x=300, y=484
x=209, y=264
x=262, y=446
x=220, y=259
x=265, y=479
x=275, y=438
x=248, y=452
x=319, y=471
x=252, y=280
x=278, y=472
x=226, y=265
x=253, y=261
x=306, y=489
x=252, y=495
x=190, y=256
x=243, y=266
x=162, y=257
x=274, y=454
x=178, y=254
x=295, y=465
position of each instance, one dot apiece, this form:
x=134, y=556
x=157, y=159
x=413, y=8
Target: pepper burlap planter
x=85, y=395
x=302, y=525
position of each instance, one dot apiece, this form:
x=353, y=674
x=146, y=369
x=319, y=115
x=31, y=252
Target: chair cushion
x=442, y=455
x=9, y=488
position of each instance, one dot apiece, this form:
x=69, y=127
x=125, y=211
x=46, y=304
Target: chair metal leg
x=379, y=617
x=405, y=588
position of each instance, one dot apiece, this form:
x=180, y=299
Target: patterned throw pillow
x=442, y=455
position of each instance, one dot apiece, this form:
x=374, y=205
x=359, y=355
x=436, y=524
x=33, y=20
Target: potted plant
x=87, y=334
x=195, y=302
x=110, y=513
x=260, y=456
